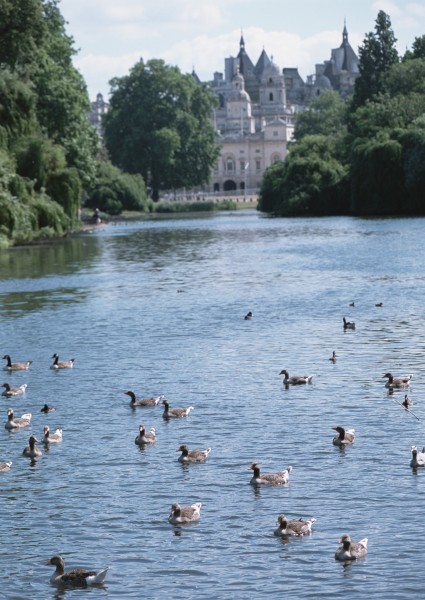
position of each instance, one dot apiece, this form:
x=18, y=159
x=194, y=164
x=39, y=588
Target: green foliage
x=17, y=108
x=325, y=115
x=64, y=187
x=158, y=125
x=376, y=56
x=37, y=158
x=115, y=191
x=22, y=31
x=310, y=181
x=418, y=49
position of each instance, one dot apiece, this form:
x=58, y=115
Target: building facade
x=257, y=107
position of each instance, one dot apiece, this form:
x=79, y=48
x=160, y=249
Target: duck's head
x=340, y=430
x=6, y=357
x=142, y=428
x=7, y=386
x=253, y=466
x=388, y=375
x=10, y=412
x=165, y=402
x=175, y=509
x=56, y=561
x=131, y=394
x=345, y=540
x=183, y=448
x=46, y=430
x=284, y=372
x=32, y=440
x=55, y=355
x=281, y=520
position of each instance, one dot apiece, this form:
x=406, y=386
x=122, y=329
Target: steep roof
x=262, y=63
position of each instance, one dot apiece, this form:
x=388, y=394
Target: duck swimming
x=418, y=458
x=407, y=402
x=17, y=423
x=293, y=527
x=175, y=412
x=295, y=379
x=153, y=401
x=18, y=366
x=333, y=357
x=351, y=550
x=248, y=316
x=397, y=382
x=13, y=391
x=46, y=408
x=62, y=364
x=31, y=451
x=51, y=437
x=344, y=437
x=5, y=466
x=348, y=324
x=78, y=578
x=184, y=514
x=279, y=478
x=192, y=455
x=145, y=437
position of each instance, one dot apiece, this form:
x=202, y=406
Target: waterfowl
x=5, y=466
x=17, y=423
x=344, y=437
x=145, y=437
x=184, y=514
x=153, y=401
x=248, y=316
x=397, y=382
x=31, y=451
x=295, y=379
x=333, y=357
x=279, y=478
x=46, y=408
x=175, y=412
x=418, y=458
x=407, y=402
x=351, y=550
x=13, y=391
x=379, y=305
x=62, y=364
x=51, y=437
x=18, y=366
x=348, y=324
x=80, y=578
x=192, y=455
x=293, y=527
x=352, y=304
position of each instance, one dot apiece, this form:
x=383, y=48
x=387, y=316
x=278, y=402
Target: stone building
x=257, y=107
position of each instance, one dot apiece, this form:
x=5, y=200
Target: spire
x=242, y=41
x=345, y=34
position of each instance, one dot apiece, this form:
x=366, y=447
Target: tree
x=158, y=125
x=418, y=49
x=325, y=115
x=376, y=56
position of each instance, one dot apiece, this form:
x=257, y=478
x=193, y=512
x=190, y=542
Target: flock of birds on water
x=347, y=551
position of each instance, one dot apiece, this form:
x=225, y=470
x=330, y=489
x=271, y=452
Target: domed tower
x=272, y=90
x=239, y=108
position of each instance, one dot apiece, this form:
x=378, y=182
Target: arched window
x=216, y=187
x=229, y=164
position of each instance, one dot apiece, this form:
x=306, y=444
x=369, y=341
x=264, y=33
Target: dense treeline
x=364, y=155
x=49, y=152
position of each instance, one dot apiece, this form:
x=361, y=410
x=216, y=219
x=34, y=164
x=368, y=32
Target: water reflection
x=15, y=304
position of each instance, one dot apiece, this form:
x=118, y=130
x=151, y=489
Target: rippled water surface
x=157, y=307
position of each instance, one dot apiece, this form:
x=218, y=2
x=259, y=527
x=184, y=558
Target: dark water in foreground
x=158, y=307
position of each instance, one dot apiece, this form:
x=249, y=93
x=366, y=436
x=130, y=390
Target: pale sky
x=112, y=35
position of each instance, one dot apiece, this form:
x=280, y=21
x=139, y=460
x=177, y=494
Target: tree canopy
x=158, y=125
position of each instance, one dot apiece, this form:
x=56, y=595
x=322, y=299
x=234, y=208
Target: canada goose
x=348, y=324
x=333, y=357
x=344, y=437
x=18, y=366
x=31, y=451
x=279, y=478
x=52, y=437
x=62, y=364
x=418, y=458
x=293, y=527
x=184, y=514
x=175, y=412
x=13, y=391
x=397, y=382
x=192, y=455
x=351, y=550
x=46, y=408
x=17, y=423
x=407, y=402
x=153, y=401
x=295, y=379
x=78, y=578
x=145, y=437
x=248, y=316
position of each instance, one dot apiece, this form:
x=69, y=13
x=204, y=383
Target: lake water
x=158, y=306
